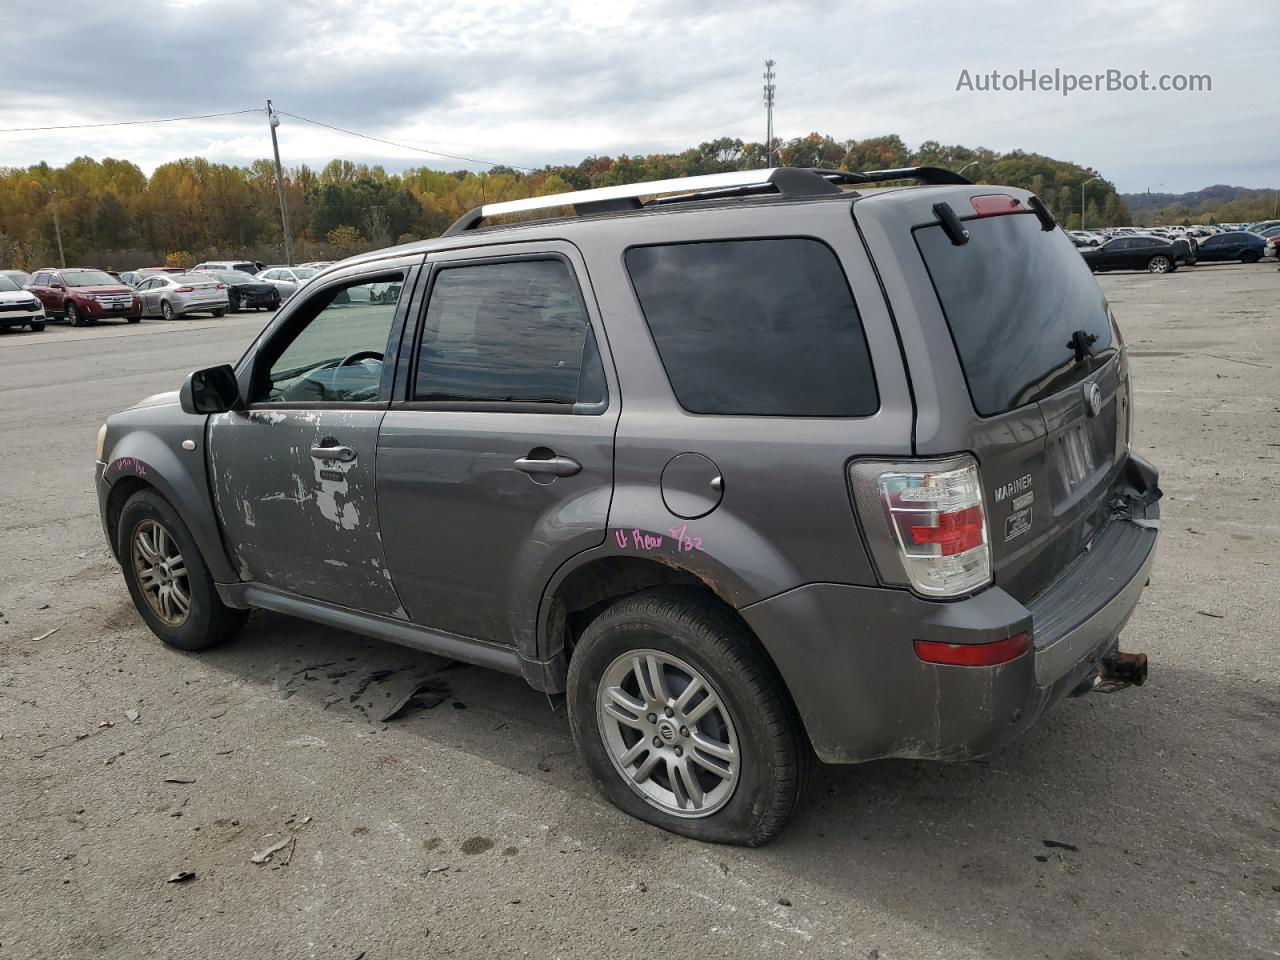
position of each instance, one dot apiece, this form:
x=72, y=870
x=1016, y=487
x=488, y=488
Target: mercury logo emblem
x=1093, y=399
x=667, y=731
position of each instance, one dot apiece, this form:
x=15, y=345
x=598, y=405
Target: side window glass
x=337, y=355
x=508, y=332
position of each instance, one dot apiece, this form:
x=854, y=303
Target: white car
x=18, y=307
x=173, y=295
x=288, y=280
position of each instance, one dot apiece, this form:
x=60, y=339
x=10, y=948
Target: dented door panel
x=302, y=523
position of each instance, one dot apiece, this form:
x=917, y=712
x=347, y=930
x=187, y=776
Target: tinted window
x=503, y=332
x=337, y=356
x=756, y=327
x=1013, y=296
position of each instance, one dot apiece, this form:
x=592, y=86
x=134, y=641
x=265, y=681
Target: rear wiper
x=1081, y=344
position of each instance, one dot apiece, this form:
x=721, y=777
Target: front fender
x=153, y=453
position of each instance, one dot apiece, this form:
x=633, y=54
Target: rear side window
x=513, y=332
x=1013, y=296
x=756, y=327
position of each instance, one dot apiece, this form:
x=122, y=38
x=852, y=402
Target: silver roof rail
x=787, y=181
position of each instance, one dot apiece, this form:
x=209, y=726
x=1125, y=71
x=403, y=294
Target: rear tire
x=761, y=754
x=1158, y=265
x=166, y=310
x=133, y=319
x=1249, y=256
x=233, y=303
x=220, y=313
x=167, y=577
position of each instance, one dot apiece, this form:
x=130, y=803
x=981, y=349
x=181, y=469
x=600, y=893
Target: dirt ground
x=465, y=828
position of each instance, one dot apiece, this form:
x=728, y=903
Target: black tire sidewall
x=762, y=751
x=202, y=627
x=166, y=311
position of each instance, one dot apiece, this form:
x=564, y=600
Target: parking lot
x=1142, y=824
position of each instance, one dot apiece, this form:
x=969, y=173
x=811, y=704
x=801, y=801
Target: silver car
x=287, y=280
x=175, y=295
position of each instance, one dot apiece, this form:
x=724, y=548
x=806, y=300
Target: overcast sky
x=557, y=80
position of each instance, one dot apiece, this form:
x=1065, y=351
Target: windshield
x=7, y=285
x=305, y=273
x=88, y=278
x=1014, y=297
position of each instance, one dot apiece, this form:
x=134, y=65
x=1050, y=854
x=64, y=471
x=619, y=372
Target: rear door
x=1047, y=384
x=495, y=462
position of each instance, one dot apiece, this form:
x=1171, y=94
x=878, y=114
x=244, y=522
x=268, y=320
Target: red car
x=84, y=295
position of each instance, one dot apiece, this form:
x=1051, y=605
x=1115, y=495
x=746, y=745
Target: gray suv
x=754, y=468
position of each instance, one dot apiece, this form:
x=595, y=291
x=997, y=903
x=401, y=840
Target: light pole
x=1082, y=186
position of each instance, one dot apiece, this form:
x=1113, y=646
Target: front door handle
x=555, y=466
x=341, y=454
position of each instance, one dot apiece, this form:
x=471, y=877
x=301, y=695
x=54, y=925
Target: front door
x=495, y=464
x=293, y=472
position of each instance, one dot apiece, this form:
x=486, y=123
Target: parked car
x=245, y=290
x=177, y=295
x=287, y=279
x=251, y=267
x=84, y=295
x=20, y=277
x=1150, y=253
x=1241, y=245
x=1273, y=247
x=18, y=307
x=668, y=465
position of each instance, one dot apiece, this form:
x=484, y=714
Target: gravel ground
x=466, y=828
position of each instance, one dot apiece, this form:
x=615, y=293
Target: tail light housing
x=926, y=523
x=184, y=289
x=222, y=286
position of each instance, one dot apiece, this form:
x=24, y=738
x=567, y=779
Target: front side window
x=756, y=327
x=508, y=333
x=337, y=356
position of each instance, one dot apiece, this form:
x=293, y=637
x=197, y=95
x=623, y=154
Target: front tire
x=36, y=326
x=1158, y=265
x=132, y=319
x=683, y=723
x=233, y=303
x=220, y=312
x=71, y=314
x=167, y=577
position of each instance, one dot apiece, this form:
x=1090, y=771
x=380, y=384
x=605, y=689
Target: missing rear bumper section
x=847, y=652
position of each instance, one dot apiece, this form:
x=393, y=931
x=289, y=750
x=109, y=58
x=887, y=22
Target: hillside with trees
x=1217, y=204
x=111, y=214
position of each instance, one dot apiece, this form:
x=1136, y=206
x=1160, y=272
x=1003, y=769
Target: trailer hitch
x=1119, y=670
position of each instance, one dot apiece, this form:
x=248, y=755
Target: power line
x=130, y=123
x=405, y=146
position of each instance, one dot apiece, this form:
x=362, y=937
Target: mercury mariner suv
x=753, y=468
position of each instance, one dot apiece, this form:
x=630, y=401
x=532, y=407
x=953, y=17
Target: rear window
x=756, y=327
x=1013, y=297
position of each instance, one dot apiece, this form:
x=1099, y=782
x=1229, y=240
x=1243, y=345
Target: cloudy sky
x=527, y=83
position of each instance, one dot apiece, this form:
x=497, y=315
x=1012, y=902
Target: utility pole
x=770, y=90
x=1082, y=186
x=57, y=230
x=273, y=121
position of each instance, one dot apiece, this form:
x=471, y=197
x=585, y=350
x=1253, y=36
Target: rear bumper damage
x=847, y=654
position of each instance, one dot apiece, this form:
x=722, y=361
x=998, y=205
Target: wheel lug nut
x=679, y=752
x=684, y=731
x=657, y=742
x=669, y=712
x=652, y=718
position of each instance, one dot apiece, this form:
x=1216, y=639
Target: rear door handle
x=556, y=466
x=341, y=454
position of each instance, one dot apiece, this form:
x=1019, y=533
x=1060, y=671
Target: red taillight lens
x=222, y=286
x=994, y=204
x=973, y=654
x=184, y=289
x=954, y=532
x=1115, y=330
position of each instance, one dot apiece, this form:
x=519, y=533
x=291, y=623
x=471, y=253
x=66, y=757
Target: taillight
x=928, y=529
x=222, y=286
x=973, y=654
x=184, y=289
x=1115, y=330
x=995, y=204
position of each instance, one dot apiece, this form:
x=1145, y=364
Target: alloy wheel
x=668, y=733
x=161, y=572
x=1158, y=265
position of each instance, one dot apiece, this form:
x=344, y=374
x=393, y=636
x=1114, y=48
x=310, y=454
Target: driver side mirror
x=213, y=390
